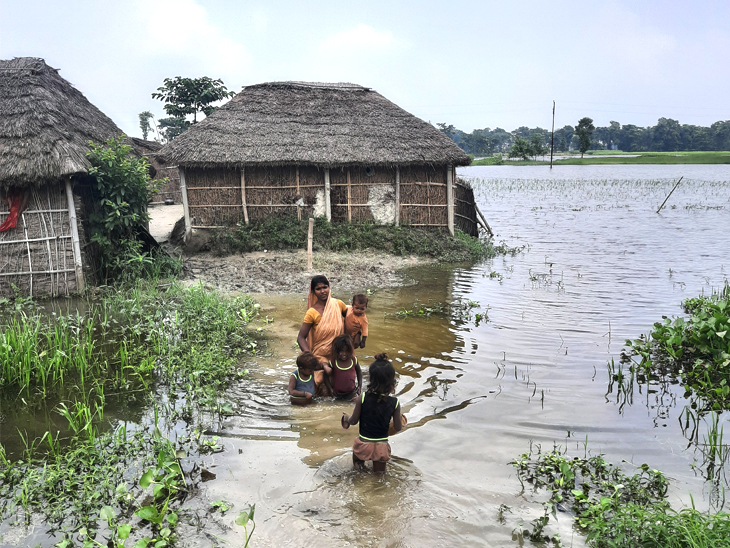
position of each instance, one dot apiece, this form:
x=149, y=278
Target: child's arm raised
x=348, y=420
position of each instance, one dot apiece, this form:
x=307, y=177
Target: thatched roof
x=45, y=124
x=301, y=123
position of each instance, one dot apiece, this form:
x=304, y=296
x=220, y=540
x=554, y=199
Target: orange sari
x=321, y=336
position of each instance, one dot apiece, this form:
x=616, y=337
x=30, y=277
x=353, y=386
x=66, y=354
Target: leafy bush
x=121, y=190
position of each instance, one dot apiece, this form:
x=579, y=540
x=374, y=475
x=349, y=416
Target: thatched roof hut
x=45, y=124
x=340, y=150
x=45, y=128
x=323, y=125
x=170, y=190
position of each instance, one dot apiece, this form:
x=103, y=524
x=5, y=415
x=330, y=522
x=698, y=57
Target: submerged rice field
x=520, y=359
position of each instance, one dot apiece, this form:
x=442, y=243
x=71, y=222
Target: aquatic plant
x=694, y=350
x=615, y=509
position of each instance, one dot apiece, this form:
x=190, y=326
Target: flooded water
x=599, y=266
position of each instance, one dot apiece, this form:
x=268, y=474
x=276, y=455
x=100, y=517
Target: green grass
x=175, y=348
x=287, y=233
x=609, y=157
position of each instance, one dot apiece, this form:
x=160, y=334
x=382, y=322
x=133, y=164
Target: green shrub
x=287, y=233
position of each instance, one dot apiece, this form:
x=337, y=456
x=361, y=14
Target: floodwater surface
x=598, y=266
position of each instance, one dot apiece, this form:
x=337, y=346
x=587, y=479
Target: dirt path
x=286, y=272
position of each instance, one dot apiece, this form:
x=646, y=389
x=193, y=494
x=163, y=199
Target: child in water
x=301, y=382
x=344, y=371
x=373, y=410
x=356, y=322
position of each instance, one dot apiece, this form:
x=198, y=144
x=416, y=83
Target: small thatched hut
x=171, y=189
x=45, y=128
x=338, y=150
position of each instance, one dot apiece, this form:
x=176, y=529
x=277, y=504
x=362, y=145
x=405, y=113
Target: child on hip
x=301, y=382
x=343, y=369
x=374, y=411
x=356, y=322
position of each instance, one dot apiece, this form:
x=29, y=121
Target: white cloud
x=362, y=38
x=180, y=30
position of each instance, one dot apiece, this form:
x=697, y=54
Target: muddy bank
x=286, y=271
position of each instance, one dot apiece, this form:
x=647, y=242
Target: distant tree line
x=666, y=136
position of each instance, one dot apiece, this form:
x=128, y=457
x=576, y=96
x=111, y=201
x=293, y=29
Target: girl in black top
x=374, y=410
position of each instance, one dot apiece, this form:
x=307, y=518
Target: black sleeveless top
x=375, y=416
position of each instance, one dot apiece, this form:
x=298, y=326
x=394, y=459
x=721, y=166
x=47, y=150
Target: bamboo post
x=186, y=207
x=480, y=215
x=310, y=237
x=670, y=193
x=78, y=266
x=349, y=201
x=397, y=196
x=27, y=245
x=327, y=200
x=299, y=197
x=552, y=138
x=450, y=199
x=243, y=194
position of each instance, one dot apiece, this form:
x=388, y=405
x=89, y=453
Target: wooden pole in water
x=670, y=193
x=552, y=138
x=78, y=265
x=310, y=236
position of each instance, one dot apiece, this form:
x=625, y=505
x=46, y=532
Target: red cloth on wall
x=17, y=200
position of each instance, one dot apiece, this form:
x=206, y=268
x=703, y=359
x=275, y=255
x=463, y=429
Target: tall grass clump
x=288, y=233
x=614, y=509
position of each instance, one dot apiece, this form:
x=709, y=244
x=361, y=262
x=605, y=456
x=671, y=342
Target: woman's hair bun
x=382, y=357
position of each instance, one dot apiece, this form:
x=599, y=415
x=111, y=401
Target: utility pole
x=552, y=138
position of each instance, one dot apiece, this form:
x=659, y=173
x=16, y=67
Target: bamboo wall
x=423, y=196
x=37, y=258
x=216, y=196
x=465, y=215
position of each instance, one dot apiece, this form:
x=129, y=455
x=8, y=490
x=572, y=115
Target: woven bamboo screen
x=37, y=258
x=363, y=194
x=278, y=190
x=171, y=189
x=214, y=196
x=465, y=216
x=423, y=196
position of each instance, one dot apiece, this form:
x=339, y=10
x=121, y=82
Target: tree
x=584, y=130
x=186, y=96
x=666, y=135
x=144, y=123
x=521, y=148
x=172, y=127
x=537, y=143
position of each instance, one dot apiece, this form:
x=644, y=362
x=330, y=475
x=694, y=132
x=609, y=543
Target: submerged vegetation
x=694, y=350
x=618, y=157
x=170, y=349
x=281, y=233
x=615, y=509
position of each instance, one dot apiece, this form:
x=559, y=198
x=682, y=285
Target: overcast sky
x=473, y=64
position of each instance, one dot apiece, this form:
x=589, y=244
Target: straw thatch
x=311, y=124
x=45, y=124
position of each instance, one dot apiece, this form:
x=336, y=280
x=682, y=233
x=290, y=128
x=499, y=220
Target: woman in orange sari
x=322, y=323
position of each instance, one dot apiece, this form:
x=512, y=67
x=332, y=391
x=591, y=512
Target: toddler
x=356, y=322
x=344, y=371
x=301, y=382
